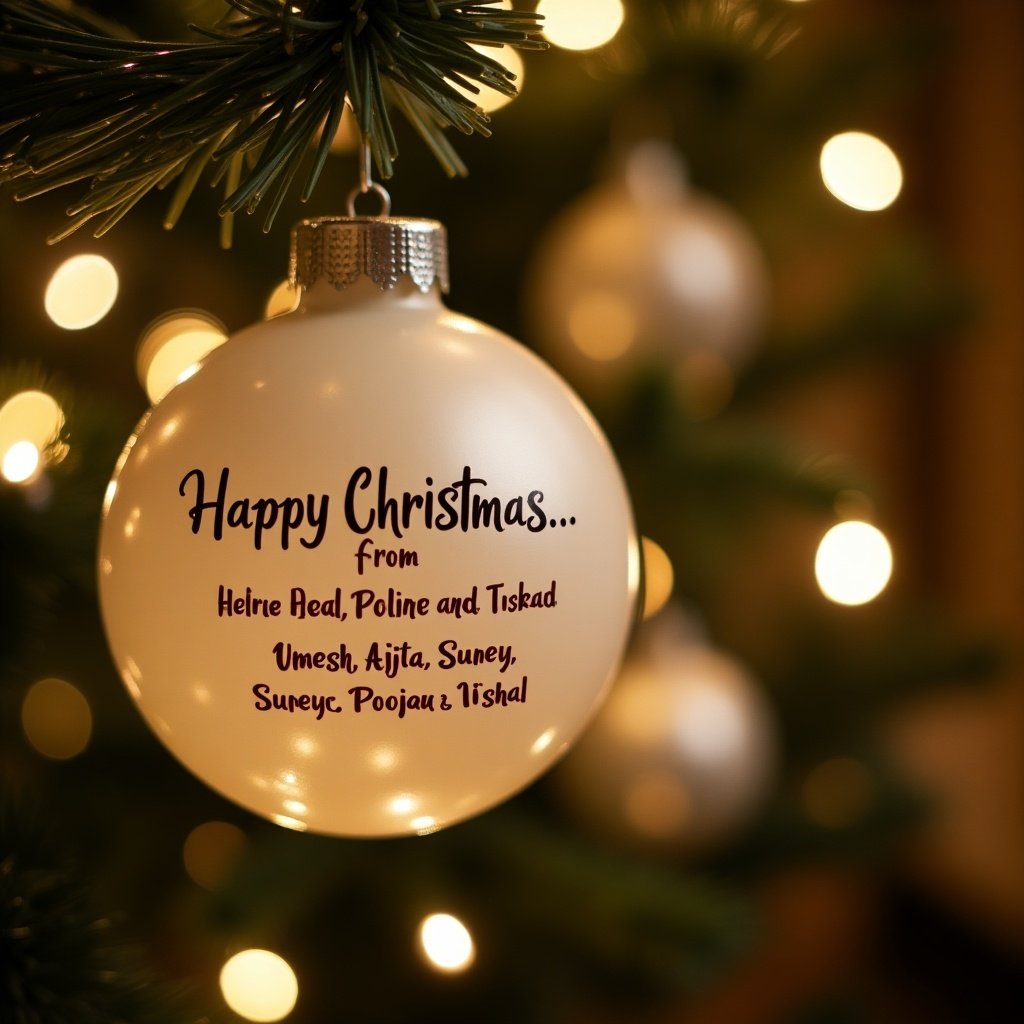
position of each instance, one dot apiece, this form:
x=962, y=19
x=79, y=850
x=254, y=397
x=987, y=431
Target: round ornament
x=643, y=269
x=680, y=755
x=372, y=567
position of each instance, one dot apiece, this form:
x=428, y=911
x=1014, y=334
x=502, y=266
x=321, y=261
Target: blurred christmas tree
x=770, y=358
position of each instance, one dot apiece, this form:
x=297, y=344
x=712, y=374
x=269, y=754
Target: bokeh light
x=861, y=171
x=211, y=851
x=446, y=942
x=658, y=577
x=56, y=719
x=491, y=99
x=81, y=292
x=259, y=985
x=346, y=138
x=30, y=421
x=853, y=563
x=283, y=299
x=30, y=416
x=173, y=346
x=581, y=24
x=19, y=462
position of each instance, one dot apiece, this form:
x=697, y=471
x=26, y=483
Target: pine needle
x=83, y=104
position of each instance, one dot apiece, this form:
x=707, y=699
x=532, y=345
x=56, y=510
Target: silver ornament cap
x=340, y=250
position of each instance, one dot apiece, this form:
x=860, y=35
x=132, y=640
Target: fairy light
x=81, y=291
x=853, y=563
x=56, y=719
x=172, y=348
x=283, y=299
x=347, y=137
x=30, y=421
x=658, y=577
x=581, y=24
x=446, y=943
x=20, y=462
x=259, y=985
x=861, y=171
x=211, y=851
x=30, y=416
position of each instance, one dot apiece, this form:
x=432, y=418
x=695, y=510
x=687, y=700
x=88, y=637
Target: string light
x=81, y=291
x=581, y=24
x=658, y=577
x=853, y=563
x=259, y=985
x=172, y=348
x=283, y=299
x=20, y=462
x=30, y=421
x=446, y=943
x=861, y=171
x=56, y=719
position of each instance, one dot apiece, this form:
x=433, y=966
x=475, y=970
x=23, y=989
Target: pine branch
x=61, y=961
x=86, y=106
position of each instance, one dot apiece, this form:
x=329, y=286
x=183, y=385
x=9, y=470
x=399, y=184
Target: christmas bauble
x=642, y=269
x=680, y=755
x=371, y=568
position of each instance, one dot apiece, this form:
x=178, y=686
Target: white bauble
x=681, y=754
x=642, y=269
x=412, y=472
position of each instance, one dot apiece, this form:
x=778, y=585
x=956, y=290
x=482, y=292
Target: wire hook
x=366, y=182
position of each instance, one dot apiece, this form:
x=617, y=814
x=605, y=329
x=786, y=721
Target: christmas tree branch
x=269, y=83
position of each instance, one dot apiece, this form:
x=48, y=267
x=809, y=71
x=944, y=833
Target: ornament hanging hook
x=366, y=182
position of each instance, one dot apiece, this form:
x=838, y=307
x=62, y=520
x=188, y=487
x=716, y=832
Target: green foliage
x=263, y=91
x=61, y=962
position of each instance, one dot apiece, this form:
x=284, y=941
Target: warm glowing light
x=402, y=804
x=283, y=299
x=346, y=138
x=30, y=416
x=543, y=741
x=581, y=24
x=286, y=821
x=211, y=851
x=81, y=292
x=112, y=489
x=56, y=719
x=20, y=462
x=491, y=99
x=172, y=348
x=658, y=578
x=838, y=793
x=861, y=171
x=446, y=942
x=602, y=325
x=853, y=563
x=259, y=985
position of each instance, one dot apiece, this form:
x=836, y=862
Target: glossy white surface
x=295, y=407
